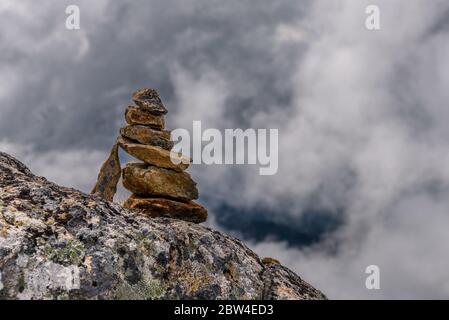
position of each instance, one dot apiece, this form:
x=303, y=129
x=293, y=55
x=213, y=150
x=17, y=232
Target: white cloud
x=390, y=138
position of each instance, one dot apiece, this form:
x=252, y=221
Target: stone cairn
x=160, y=187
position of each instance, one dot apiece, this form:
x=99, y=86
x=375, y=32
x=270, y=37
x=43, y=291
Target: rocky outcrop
x=59, y=243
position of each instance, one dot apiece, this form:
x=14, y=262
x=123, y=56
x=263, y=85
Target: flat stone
x=269, y=260
x=160, y=207
x=152, y=155
x=144, y=180
x=149, y=100
x=109, y=176
x=134, y=115
x=148, y=136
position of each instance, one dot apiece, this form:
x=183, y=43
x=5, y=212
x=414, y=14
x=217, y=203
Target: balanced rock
x=148, y=136
x=138, y=116
x=160, y=185
x=144, y=180
x=160, y=207
x=109, y=176
x=149, y=100
x=152, y=155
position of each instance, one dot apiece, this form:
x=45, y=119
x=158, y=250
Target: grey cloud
x=63, y=77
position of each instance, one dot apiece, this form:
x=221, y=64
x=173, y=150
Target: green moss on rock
x=143, y=290
x=71, y=253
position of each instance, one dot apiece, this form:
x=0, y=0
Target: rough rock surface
x=152, y=155
x=145, y=180
x=148, y=136
x=137, y=116
x=148, y=99
x=59, y=243
x=109, y=176
x=160, y=207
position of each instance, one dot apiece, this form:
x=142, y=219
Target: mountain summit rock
x=59, y=243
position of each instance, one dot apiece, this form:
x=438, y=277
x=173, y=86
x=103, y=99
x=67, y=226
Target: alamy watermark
x=73, y=20
x=372, y=21
x=235, y=146
x=372, y=282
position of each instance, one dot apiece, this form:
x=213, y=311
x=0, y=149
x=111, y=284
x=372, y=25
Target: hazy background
x=364, y=141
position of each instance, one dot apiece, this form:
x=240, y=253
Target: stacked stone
x=160, y=187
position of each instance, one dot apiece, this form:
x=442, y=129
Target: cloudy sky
x=362, y=116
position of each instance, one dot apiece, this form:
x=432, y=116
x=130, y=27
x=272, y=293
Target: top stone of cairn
x=148, y=99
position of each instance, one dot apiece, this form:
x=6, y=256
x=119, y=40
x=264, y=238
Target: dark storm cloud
x=71, y=91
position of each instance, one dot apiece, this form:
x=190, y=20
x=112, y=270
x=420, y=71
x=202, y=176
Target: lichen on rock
x=59, y=243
